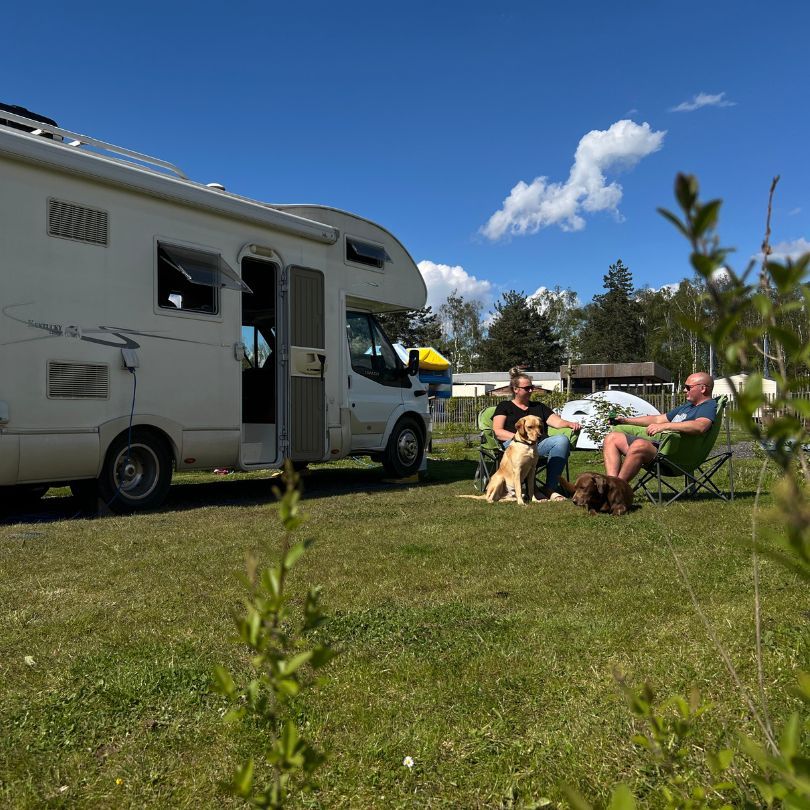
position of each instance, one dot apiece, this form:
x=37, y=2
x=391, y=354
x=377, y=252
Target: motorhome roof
x=146, y=174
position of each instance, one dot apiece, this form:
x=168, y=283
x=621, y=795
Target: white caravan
x=148, y=322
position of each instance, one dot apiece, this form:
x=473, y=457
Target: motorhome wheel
x=405, y=449
x=135, y=476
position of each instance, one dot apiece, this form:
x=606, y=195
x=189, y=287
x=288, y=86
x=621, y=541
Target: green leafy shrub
x=282, y=663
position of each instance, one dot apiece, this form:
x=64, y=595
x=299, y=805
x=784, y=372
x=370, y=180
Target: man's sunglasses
x=525, y=387
x=690, y=387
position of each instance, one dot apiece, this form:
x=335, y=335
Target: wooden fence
x=460, y=414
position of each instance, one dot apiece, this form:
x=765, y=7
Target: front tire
x=135, y=476
x=404, y=451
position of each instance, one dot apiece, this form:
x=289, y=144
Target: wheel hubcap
x=407, y=447
x=136, y=471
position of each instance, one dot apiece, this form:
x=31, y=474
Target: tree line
x=622, y=324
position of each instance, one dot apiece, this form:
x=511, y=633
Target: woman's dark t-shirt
x=513, y=413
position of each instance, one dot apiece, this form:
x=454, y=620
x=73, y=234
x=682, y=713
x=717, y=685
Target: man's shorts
x=631, y=439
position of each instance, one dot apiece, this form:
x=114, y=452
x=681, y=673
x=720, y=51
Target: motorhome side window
x=188, y=279
x=366, y=253
x=371, y=352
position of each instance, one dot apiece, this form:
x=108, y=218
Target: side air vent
x=70, y=221
x=78, y=380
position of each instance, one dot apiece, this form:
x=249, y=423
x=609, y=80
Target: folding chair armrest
x=573, y=438
x=631, y=430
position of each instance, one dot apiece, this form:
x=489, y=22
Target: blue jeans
x=556, y=450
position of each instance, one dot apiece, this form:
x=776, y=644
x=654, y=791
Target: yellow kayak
x=431, y=360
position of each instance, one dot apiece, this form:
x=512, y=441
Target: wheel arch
x=169, y=432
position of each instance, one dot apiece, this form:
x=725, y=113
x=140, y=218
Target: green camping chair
x=490, y=450
x=688, y=456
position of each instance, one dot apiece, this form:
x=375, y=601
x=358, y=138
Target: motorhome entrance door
x=261, y=387
x=307, y=436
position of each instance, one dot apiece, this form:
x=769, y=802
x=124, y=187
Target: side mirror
x=413, y=362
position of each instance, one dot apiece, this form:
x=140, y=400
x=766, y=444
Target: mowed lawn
x=479, y=640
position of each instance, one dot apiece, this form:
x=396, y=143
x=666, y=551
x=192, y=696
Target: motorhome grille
x=70, y=221
x=78, y=380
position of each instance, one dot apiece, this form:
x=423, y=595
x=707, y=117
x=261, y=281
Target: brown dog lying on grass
x=600, y=493
x=519, y=462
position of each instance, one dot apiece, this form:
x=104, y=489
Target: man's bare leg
x=613, y=448
x=639, y=453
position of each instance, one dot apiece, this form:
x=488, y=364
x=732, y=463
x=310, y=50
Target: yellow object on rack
x=431, y=360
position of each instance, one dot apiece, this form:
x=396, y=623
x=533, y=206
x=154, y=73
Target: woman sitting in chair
x=555, y=449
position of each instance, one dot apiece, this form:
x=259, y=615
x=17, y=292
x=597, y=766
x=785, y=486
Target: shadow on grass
x=321, y=482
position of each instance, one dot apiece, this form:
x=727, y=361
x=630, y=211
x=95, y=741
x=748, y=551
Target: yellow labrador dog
x=519, y=462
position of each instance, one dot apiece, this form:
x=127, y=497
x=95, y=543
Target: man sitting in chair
x=626, y=455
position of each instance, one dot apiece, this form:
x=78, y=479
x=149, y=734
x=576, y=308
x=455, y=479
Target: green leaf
x=785, y=276
x=321, y=656
x=686, y=190
x=243, y=779
x=705, y=265
x=765, y=789
x=801, y=406
x=289, y=739
x=293, y=554
x=802, y=767
x=576, y=799
x=674, y=220
x=295, y=663
x=234, y=715
x=706, y=218
x=287, y=687
x=271, y=580
x=254, y=627
x=720, y=761
x=622, y=798
x=803, y=688
x=789, y=339
x=223, y=682
x=763, y=304
x=790, y=737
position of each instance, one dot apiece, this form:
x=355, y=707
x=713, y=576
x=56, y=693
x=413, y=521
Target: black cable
x=129, y=434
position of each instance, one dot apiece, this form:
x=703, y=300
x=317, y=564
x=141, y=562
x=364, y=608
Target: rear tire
x=135, y=476
x=404, y=451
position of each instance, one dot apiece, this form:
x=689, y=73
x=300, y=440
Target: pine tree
x=520, y=335
x=412, y=328
x=613, y=331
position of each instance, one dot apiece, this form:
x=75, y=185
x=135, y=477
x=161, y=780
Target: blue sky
x=425, y=116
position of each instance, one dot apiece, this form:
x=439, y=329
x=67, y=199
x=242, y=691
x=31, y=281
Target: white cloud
x=540, y=291
x=788, y=250
x=721, y=276
x=442, y=279
x=794, y=211
x=671, y=288
x=703, y=100
x=530, y=207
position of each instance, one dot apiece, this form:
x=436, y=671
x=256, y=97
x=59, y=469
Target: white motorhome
x=149, y=322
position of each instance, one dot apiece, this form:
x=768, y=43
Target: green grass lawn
x=478, y=639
